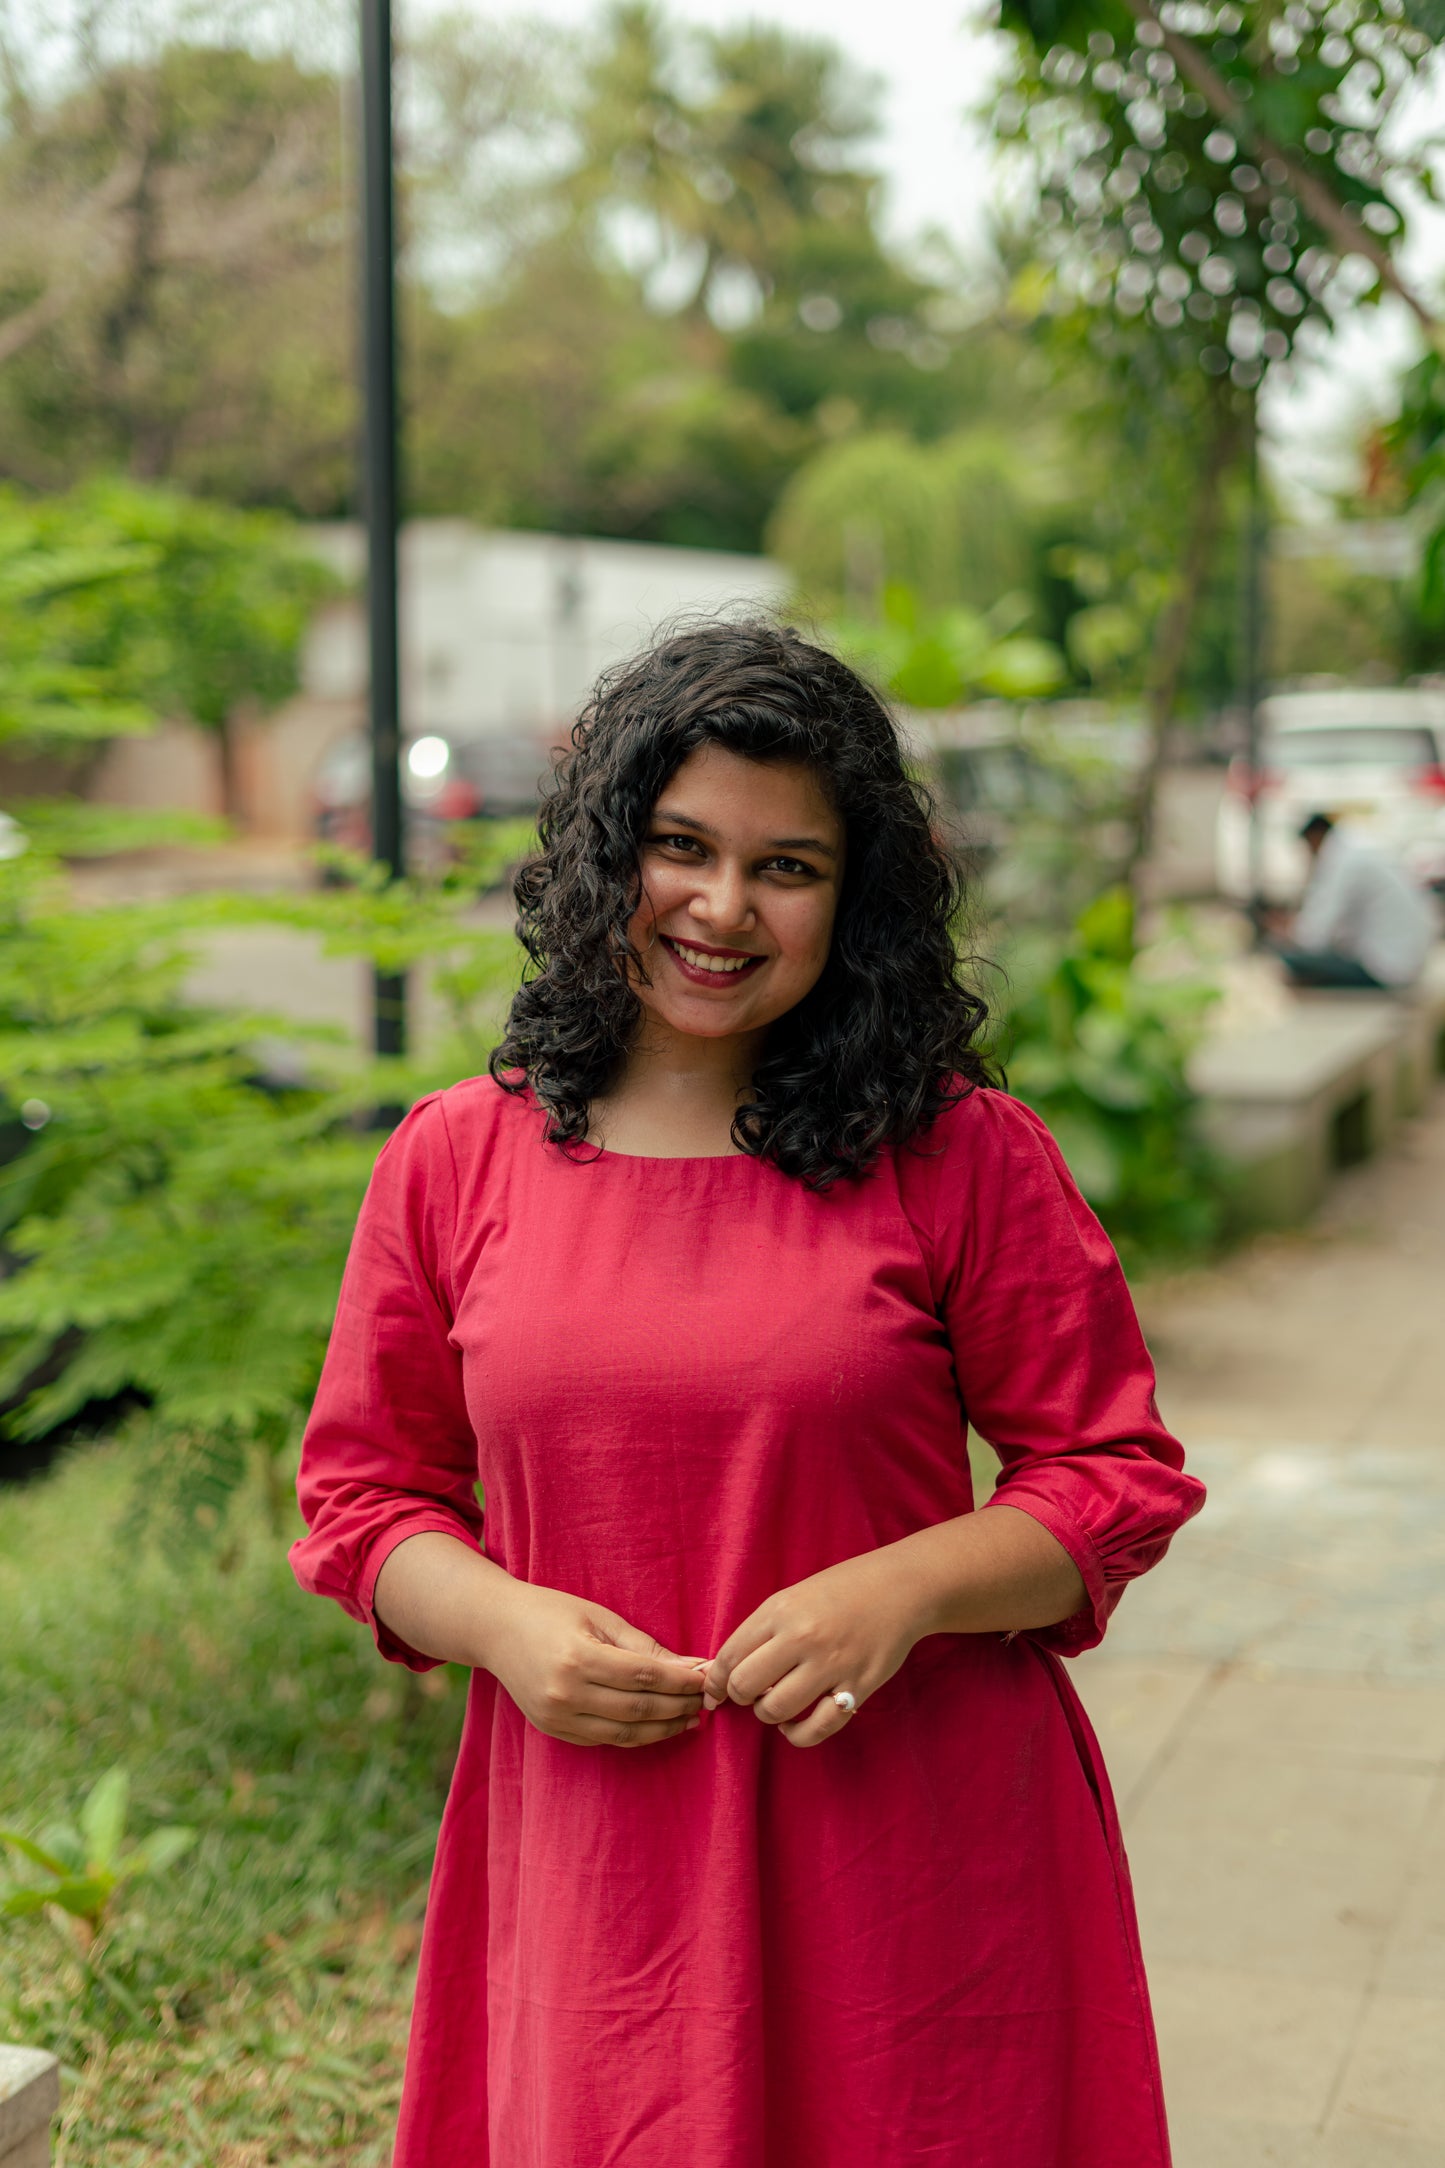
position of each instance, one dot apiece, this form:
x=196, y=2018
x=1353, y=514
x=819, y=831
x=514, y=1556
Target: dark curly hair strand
x=887, y=1037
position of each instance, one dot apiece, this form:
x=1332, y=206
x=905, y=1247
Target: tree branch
x=1323, y=206
x=77, y=241
x=17, y=332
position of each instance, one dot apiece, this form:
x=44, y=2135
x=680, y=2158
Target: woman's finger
x=646, y=1669
x=792, y=1697
x=822, y=1722
x=608, y=1731
x=626, y=1636
x=757, y=1674
x=741, y=1643
x=625, y=1706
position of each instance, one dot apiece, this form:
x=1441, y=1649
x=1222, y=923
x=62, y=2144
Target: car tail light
x=1248, y=783
x=1430, y=782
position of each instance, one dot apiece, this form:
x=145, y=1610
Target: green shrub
x=81, y=1863
x=183, y=1182
x=939, y=658
x=120, y=603
x=251, y=2004
x=1099, y=1049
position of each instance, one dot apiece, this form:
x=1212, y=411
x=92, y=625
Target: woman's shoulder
x=984, y=1152
x=463, y=1125
x=987, y=1175
x=983, y=1129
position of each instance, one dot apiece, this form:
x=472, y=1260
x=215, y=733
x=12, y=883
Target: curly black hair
x=886, y=1038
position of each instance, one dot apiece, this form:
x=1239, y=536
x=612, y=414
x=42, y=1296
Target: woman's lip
x=699, y=975
x=706, y=948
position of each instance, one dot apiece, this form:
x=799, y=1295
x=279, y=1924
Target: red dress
x=684, y=1384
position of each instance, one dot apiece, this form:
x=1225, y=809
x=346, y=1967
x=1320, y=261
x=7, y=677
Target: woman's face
x=742, y=866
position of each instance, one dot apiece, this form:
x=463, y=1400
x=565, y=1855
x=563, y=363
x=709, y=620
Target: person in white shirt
x=1363, y=921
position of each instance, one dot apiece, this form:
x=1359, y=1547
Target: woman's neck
x=677, y=1095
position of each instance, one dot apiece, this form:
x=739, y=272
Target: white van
x=1369, y=756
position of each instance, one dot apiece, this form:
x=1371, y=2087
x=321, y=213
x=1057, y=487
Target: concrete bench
x=1420, y=1013
x=29, y=2102
x=1286, y=1103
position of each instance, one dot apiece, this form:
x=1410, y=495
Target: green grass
x=251, y=2006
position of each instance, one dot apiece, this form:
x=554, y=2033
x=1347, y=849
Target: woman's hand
x=575, y=1670
x=996, y=1571
x=850, y=1626
x=580, y=1673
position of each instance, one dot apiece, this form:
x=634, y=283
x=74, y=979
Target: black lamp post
x=379, y=468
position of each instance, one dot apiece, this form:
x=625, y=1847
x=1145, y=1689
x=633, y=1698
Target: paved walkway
x=1272, y=1701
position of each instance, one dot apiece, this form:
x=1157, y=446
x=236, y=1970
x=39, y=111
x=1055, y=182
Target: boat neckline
x=666, y=1159
x=590, y=1155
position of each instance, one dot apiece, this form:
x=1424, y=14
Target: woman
x=777, y=1835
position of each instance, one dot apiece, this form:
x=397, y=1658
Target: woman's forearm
x=577, y=1671
x=444, y=1599
x=998, y=1571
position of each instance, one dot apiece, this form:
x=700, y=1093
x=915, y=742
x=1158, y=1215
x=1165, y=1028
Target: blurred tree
x=941, y=658
x=643, y=276
x=561, y=402
x=728, y=170
x=1208, y=178
x=1407, y=473
x=1325, y=617
x=119, y=604
x=53, y=690
x=176, y=277
x=484, y=140
x=173, y=296
x=949, y=520
x=719, y=146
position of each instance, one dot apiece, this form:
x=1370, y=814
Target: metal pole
x=1251, y=656
x=379, y=462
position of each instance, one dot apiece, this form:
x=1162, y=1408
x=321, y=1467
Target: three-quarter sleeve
x=389, y=1451
x=1051, y=1363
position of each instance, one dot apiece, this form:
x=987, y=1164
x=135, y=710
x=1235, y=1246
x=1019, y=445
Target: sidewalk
x=1272, y=1701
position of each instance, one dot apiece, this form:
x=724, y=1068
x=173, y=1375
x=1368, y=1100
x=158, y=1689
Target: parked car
x=443, y=780
x=1371, y=757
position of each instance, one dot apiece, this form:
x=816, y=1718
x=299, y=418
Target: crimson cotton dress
x=684, y=1384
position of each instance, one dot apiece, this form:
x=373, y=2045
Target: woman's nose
x=723, y=901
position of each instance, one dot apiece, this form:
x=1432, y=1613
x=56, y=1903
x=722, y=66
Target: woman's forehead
x=715, y=785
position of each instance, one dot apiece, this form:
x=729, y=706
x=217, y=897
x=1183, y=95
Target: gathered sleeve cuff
x=1051, y=1363
x=389, y=1450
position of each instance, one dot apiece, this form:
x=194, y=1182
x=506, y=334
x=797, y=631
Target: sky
x=934, y=63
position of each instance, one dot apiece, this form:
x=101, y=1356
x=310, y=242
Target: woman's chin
x=705, y=1017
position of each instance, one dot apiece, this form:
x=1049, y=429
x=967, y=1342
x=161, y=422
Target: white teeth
x=716, y=964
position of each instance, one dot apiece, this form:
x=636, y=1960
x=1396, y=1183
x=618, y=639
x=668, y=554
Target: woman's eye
x=675, y=843
x=791, y=866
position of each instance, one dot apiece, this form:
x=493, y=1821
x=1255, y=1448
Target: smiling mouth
x=711, y=967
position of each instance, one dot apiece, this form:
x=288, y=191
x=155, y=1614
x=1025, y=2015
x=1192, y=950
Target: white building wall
x=502, y=633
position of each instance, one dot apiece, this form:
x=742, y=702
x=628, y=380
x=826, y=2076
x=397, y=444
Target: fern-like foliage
x=179, y=1185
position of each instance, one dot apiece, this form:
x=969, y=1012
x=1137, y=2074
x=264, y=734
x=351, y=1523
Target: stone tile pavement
x=1272, y=1700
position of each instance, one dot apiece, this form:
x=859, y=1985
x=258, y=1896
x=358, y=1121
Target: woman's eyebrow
x=778, y=843
x=803, y=843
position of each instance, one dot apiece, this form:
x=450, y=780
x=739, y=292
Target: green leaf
x=927, y=677
x=34, y=1852
x=67, y=1845
x=24, y=1903
x=84, y=1896
x=1022, y=669
x=102, y=1818
x=161, y=1849
x=1106, y=928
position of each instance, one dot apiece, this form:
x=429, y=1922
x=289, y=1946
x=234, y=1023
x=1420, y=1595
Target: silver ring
x=846, y=1702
